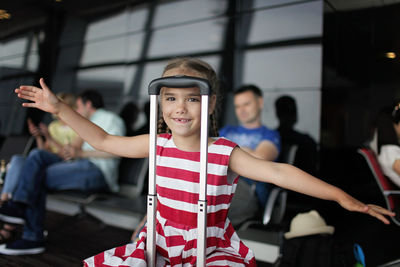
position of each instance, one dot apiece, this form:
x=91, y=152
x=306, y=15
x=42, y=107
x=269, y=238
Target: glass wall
x=273, y=44
x=19, y=60
x=283, y=56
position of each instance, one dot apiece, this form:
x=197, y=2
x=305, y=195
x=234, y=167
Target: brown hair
x=208, y=73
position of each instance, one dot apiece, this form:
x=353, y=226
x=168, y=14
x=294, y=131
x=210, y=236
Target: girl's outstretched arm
x=290, y=177
x=44, y=99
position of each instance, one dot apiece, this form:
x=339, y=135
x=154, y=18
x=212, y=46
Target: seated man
x=306, y=153
x=89, y=171
x=259, y=141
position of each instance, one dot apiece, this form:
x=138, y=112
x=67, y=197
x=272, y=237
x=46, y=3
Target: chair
x=132, y=176
x=16, y=144
x=388, y=189
x=265, y=236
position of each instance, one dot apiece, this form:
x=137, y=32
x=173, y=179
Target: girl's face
x=181, y=107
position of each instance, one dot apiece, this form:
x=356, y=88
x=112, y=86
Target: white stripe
x=189, y=165
x=189, y=207
x=135, y=262
x=219, y=148
x=181, y=185
x=90, y=261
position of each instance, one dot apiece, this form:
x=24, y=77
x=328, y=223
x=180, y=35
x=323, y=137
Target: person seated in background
x=129, y=114
x=51, y=138
x=83, y=169
x=388, y=135
x=257, y=140
x=145, y=128
x=306, y=152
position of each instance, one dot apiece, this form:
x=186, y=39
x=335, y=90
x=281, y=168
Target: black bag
x=316, y=251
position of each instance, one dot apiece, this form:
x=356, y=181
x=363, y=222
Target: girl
x=388, y=133
x=178, y=148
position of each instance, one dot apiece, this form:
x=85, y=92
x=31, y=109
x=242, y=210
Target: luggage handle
x=178, y=81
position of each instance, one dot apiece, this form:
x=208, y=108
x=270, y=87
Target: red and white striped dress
x=178, y=192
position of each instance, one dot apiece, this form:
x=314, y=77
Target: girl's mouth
x=179, y=120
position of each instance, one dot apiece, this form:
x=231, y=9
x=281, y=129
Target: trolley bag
x=155, y=86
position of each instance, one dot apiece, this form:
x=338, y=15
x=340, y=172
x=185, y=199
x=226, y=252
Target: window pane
x=109, y=81
x=112, y=50
x=288, y=67
x=33, y=62
x=14, y=47
x=106, y=27
x=127, y=21
x=268, y=3
x=288, y=22
x=105, y=51
x=14, y=63
x=151, y=71
x=12, y=53
x=184, y=11
x=196, y=37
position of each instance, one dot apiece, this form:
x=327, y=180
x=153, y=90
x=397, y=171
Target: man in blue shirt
x=257, y=140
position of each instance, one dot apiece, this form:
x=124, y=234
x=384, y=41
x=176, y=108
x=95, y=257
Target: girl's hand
x=378, y=212
x=42, y=98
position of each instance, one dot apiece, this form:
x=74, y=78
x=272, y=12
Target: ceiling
x=31, y=13
x=346, y=5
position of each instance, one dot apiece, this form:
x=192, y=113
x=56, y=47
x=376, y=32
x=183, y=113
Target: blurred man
x=259, y=141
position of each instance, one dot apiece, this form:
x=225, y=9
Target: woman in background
x=388, y=134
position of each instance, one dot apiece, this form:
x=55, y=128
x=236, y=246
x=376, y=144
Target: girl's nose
x=181, y=107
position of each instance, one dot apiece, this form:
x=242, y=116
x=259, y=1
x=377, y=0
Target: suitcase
x=154, y=90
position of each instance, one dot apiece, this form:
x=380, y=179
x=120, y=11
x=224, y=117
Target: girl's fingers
x=43, y=84
x=27, y=97
x=378, y=216
x=382, y=210
x=379, y=212
x=29, y=105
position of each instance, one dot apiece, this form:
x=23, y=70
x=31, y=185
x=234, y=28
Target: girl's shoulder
x=163, y=139
x=223, y=146
x=223, y=141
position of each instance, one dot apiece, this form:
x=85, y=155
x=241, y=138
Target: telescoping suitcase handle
x=155, y=86
x=180, y=81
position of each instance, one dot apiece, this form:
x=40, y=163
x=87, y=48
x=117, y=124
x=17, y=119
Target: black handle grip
x=180, y=81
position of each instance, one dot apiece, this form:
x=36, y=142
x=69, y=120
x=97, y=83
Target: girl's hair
x=385, y=130
x=208, y=73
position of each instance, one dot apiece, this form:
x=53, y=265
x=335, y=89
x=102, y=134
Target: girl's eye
x=192, y=99
x=170, y=98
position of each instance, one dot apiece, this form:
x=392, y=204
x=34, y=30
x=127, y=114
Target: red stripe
x=190, y=176
x=226, y=257
x=99, y=260
x=229, y=232
x=173, y=152
x=243, y=250
x=191, y=198
x=120, y=251
x=174, y=240
x=189, y=219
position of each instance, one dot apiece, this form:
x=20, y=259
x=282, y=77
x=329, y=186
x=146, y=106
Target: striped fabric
x=178, y=192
